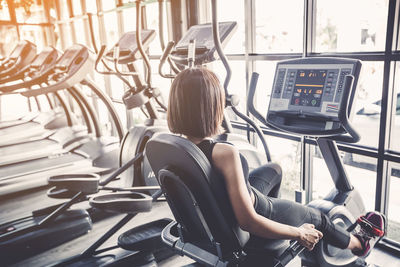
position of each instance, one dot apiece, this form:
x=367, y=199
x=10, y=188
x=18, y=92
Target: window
x=66, y=36
x=394, y=204
x=129, y=18
x=287, y=154
x=351, y=26
x=8, y=41
x=108, y=5
x=279, y=26
x=91, y=6
x=237, y=84
x=77, y=8
x=229, y=10
x=29, y=11
x=34, y=34
x=111, y=23
x=361, y=175
x=4, y=11
x=367, y=107
x=395, y=142
x=80, y=32
x=266, y=69
x=152, y=23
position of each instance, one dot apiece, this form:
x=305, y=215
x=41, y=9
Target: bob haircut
x=196, y=103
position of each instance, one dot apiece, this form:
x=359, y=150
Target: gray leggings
x=266, y=184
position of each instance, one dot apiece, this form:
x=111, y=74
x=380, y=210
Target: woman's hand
x=309, y=236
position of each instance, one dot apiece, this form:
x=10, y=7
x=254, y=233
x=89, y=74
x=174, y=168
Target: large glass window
x=361, y=175
x=4, y=11
x=29, y=11
x=80, y=32
x=351, y=26
x=367, y=108
x=65, y=34
x=108, y=5
x=63, y=8
x=279, y=26
x=8, y=40
x=111, y=22
x=34, y=34
x=229, y=10
x=237, y=84
x=266, y=69
x=91, y=6
x=395, y=141
x=287, y=154
x=152, y=23
x=77, y=8
x=129, y=18
x=394, y=204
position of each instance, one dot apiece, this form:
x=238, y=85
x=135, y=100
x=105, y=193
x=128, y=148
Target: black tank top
x=207, y=146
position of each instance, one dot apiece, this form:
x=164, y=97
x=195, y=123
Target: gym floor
x=17, y=206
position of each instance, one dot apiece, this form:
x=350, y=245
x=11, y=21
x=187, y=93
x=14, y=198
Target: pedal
x=131, y=203
x=85, y=183
x=146, y=237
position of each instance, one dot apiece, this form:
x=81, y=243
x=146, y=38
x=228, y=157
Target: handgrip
x=344, y=113
x=116, y=53
x=164, y=57
x=250, y=99
x=99, y=57
x=191, y=53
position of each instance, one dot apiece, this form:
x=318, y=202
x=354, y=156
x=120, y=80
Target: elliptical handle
x=140, y=43
x=344, y=114
x=218, y=46
x=116, y=53
x=250, y=99
x=191, y=53
x=164, y=57
x=99, y=57
x=253, y=85
x=91, y=30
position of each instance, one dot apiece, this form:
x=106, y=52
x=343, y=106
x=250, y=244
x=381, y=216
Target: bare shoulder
x=223, y=152
x=226, y=158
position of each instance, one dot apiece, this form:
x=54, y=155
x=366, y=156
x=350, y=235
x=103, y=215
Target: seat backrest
x=196, y=194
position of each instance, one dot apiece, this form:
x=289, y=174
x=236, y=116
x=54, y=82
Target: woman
x=196, y=105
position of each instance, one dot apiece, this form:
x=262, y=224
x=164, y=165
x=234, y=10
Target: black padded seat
x=199, y=201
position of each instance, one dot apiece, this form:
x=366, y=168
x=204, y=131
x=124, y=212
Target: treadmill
x=38, y=225
x=22, y=55
x=34, y=124
x=94, y=154
x=24, y=147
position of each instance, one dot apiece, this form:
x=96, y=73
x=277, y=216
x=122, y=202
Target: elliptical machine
x=313, y=97
x=197, y=48
x=141, y=94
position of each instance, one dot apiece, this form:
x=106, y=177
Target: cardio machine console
x=205, y=47
x=307, y=94
x=128, y=48
x=22, y=49
x=47, y=56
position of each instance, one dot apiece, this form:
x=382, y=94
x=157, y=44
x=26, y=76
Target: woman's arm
x=226, y=158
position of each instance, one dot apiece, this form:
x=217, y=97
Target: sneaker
x=369, y=229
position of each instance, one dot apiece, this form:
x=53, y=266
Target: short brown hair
x=196, y=103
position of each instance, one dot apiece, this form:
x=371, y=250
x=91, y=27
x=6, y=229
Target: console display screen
x=308, y=88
